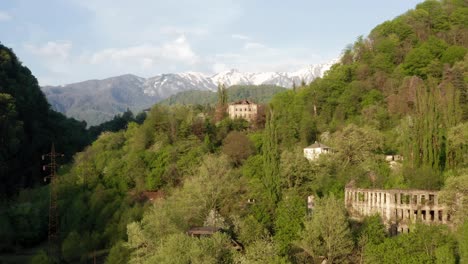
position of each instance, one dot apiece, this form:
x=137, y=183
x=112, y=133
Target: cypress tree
x=271, y=159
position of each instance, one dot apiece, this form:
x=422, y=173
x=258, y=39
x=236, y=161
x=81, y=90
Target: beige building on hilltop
x=245, y=109
x=313, y=151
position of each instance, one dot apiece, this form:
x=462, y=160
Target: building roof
x=317, y=145
x=243, y=101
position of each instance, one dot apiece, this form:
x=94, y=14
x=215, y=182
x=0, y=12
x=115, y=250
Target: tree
x=425, y=244
x=238, y=147
x=295, y=169
x=71, y=247
x=372, y=233
x=417, y=60
x=457, y=146
x=271, y=159
x=425, y=130
x=453, y=54
x=11, y=137
x=261, y=251
x=248, y=229
x=119, y=254
x=182, y=249
x=41, y=258
x=222, y=103
x=355, y=144
x=288, y=223
x=326, y=234
x=463, y=242
x=455, y=196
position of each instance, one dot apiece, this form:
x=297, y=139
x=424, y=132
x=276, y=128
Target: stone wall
x=398, y=208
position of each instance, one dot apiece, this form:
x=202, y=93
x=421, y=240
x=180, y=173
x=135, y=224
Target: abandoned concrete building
x=245, y=109
x=397, y=208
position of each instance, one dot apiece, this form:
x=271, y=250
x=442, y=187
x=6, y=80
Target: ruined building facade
x=397, y=208
x=245, y=109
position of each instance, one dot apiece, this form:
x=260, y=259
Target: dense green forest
x=400, y=90
x=258, y=93
x=28, y=127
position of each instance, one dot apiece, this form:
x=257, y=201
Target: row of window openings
x=424, y=216
x=243, y=115
x=240, y=109
x=404, y=199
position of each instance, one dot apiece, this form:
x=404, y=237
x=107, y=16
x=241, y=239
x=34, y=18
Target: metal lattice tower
x=54, y=240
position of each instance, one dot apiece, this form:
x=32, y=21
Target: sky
x=66, y=41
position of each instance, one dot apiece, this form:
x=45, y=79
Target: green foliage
x=296, y=171
x=372, y=232
x=248, y=229
x=401, y=90
x=453, y=54
x=238, y=147
x=355, y=144
x=179, y=248
x=261, y=251
x=23, y=221
x=72, y=247
x=28, y=127
x=463, y=242
x=326, y=233
x=119, y=122
x=41, y=258
x=426, y=244
x=271, y=160
x=290, y=215
x=257, y=93
x=455, y=196
x=119, y=254
x=417, y=61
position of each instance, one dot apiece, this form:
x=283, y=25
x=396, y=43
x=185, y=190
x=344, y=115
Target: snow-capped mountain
x=283, y=79
x=96, y=101
x=165, y=85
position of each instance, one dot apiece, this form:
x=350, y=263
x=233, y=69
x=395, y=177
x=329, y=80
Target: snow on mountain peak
x=166, y=85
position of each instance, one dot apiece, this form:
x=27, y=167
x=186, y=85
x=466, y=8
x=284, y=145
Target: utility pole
x=54, y=239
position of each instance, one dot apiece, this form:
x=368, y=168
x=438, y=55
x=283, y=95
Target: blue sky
x=65, y=41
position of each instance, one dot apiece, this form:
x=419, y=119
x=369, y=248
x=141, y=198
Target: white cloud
x=57, y=50
x=254, y=45
x=256, y=57
x=4, y=16
x=178, y=50
x=123, y=20
x=219, y=67
x=174, y=30
x=239, y=36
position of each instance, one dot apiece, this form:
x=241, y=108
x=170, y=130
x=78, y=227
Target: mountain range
x=97, y=101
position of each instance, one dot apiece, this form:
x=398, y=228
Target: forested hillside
x=258, y=93
x=133, y=194
x=28, y=126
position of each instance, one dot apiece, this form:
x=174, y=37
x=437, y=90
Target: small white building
x=313, y=151
x=245, y=109
x=394, y=160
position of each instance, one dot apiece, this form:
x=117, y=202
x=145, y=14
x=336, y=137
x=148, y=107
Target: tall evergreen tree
x=271, y=159
x=222, y=102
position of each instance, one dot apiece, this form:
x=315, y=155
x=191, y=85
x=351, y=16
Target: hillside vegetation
x=258, y=93
x=28, y=126
x=400, y=90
